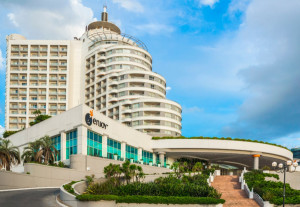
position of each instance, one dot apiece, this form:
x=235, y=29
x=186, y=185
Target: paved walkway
x=231, y=191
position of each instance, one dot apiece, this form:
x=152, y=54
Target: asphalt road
x=29, y=198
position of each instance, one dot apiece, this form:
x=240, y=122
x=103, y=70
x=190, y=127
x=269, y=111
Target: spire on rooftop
x=104, y=15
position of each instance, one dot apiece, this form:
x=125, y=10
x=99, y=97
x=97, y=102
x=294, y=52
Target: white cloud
x=209, y=3
x=168, y=88
x=193, y=109
x=155, y=29
x=50, y=19
x=12, y=18
x=1, y=61
x=2, y=130
x=130, y=5
x=266, y=46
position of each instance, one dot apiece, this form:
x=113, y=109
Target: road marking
x=37, y=188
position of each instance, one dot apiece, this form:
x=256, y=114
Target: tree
x=140, y=173
x=132, y=171
x=179, y=168
x=9, y=154
x=39, y=117
x=197, y=167
x=47, y=152
x=30, y=151
x=125, y=171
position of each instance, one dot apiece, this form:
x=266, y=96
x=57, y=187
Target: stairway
x=231, y=191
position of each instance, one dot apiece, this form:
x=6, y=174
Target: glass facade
x=147, y=156
x=113, y=147
x=57, y=144
x=71, y=143
x=94, y=144
x=131, y=152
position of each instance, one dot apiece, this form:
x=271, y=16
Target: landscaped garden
x=271, y=191
x=124, y=185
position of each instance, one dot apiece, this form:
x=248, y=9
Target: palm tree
x=125, y=171
x=47, y=152
x=30, y=151
x=132, y=171
x=9, y=154
x=140, y=173
x=197, y=167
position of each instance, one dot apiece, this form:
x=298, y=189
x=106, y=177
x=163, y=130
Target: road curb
x=59, y=202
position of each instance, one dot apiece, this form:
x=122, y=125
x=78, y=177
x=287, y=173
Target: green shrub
x=222, y=138
x=68, y=187
x=270, y=190
x=193, y=186
x=151, y=199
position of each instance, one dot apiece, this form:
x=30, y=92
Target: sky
x=233, y=65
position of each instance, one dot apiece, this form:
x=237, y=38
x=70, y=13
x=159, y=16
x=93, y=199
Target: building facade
x=84, y=132
x=104, y=69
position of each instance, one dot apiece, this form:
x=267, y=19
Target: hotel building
x=104, y=69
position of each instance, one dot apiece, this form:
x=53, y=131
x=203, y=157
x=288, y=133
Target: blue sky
x=232, y=65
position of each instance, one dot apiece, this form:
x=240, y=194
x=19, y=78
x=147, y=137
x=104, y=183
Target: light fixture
x=289, y=162
x=274, y=164
x=295, y=164
x=280, y=165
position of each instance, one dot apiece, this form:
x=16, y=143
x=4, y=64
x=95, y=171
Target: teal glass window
x=131, y=152
x=147, y=156
x=94, y=144
x=57, y=144
x=71, y=148
x=113, y=147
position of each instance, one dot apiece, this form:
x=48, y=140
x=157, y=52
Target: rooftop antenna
x=104, y=15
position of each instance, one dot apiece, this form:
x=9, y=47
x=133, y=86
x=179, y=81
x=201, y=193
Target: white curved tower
x=119, y=81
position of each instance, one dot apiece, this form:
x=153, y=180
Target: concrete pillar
x=256, y=161
x=82, y=140
x=154, y=158
x=104, y=145
x=140, y=154
x=63, y=145
x=162, y=158
x=123, y=150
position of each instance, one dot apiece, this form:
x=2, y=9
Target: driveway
x=29, y=198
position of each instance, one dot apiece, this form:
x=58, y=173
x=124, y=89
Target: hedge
x=222, y=138
x=151, y=199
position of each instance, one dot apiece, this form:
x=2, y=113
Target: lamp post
x=282, y=168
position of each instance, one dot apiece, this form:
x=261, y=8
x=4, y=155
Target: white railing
x=251, y=194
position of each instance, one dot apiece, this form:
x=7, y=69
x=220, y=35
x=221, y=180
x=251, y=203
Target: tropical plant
x=179, y=168
x=89, y=179
x=47, y=152
x=9, y=154
x=39, y=117
x=197, y=167
x=30, y=151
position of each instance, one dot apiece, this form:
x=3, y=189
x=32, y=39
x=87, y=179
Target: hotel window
x=135, y=114
x=135, y=106
x=57, y=144
x=151, y=78
x=135, y=123
x=71, y=143
x=147, y=156
x=94, y=144
x=113, y=147
x=131, y=152
x=122, y=94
